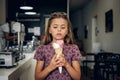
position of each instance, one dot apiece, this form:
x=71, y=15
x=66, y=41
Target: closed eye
x=62, y=27
x=55, y=27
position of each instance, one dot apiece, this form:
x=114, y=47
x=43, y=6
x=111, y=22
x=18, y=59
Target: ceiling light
x=26, y=7
x=30, y=13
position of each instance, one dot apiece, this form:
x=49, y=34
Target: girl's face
x=58, y=29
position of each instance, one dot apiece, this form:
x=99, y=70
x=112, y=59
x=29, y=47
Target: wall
x=2, y=11
x=44, y=8
x=109, y=41
x=76, y=20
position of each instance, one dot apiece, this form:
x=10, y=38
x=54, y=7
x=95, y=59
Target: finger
x=62, y=54
x=54, y=56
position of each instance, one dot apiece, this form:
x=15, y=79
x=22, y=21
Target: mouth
x=59, y=34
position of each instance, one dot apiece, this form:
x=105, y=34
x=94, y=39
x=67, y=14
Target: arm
x=8, y=37
x=40, y=73
x=74, y=70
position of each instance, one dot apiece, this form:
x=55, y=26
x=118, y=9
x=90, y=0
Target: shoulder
x=43, y=47
x=6, y=24
x=75, y=52
x=5, y=27
x=71, y=45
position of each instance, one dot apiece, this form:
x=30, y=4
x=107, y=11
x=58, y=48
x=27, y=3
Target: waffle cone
x=58, y=51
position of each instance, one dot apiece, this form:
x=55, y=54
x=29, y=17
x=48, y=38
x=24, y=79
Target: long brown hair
x=48, y=37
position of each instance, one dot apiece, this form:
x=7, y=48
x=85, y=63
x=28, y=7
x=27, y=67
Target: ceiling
x=44, y=5
x=73, y=4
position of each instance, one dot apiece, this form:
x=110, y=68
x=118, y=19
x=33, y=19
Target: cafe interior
x=95, y=26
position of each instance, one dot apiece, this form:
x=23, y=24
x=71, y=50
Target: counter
x=23, y=71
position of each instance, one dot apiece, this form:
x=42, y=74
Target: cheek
x=66, y=32
x=50, y=31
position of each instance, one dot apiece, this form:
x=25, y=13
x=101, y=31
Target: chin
x=59, y=38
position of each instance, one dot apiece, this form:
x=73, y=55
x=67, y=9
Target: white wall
x=2, y=11
x=109, y=41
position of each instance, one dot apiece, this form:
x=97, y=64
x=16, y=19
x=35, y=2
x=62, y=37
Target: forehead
x=59, y=21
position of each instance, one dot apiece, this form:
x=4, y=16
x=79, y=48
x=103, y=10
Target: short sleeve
x=76, y=53
x=39, y=54
x=5, y=27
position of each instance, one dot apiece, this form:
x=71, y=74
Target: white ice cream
x=58, y=51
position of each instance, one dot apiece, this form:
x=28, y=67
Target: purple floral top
x=46, y=52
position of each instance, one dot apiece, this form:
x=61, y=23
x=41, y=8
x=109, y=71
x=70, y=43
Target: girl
x=59, y=28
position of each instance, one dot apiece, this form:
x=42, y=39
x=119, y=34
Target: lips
x=59, y=34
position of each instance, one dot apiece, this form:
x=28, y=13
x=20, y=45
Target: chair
x=87, y=61
x=106, y=66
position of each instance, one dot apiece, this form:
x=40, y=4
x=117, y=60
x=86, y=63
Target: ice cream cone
x=58, y=46
x=58, y=51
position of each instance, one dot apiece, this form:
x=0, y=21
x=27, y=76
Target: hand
x=55, y=62
x=63, y=61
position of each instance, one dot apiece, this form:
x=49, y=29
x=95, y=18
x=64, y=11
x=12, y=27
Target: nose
x=59, y=29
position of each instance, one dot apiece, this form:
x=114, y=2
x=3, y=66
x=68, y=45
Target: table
x=16, y=73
